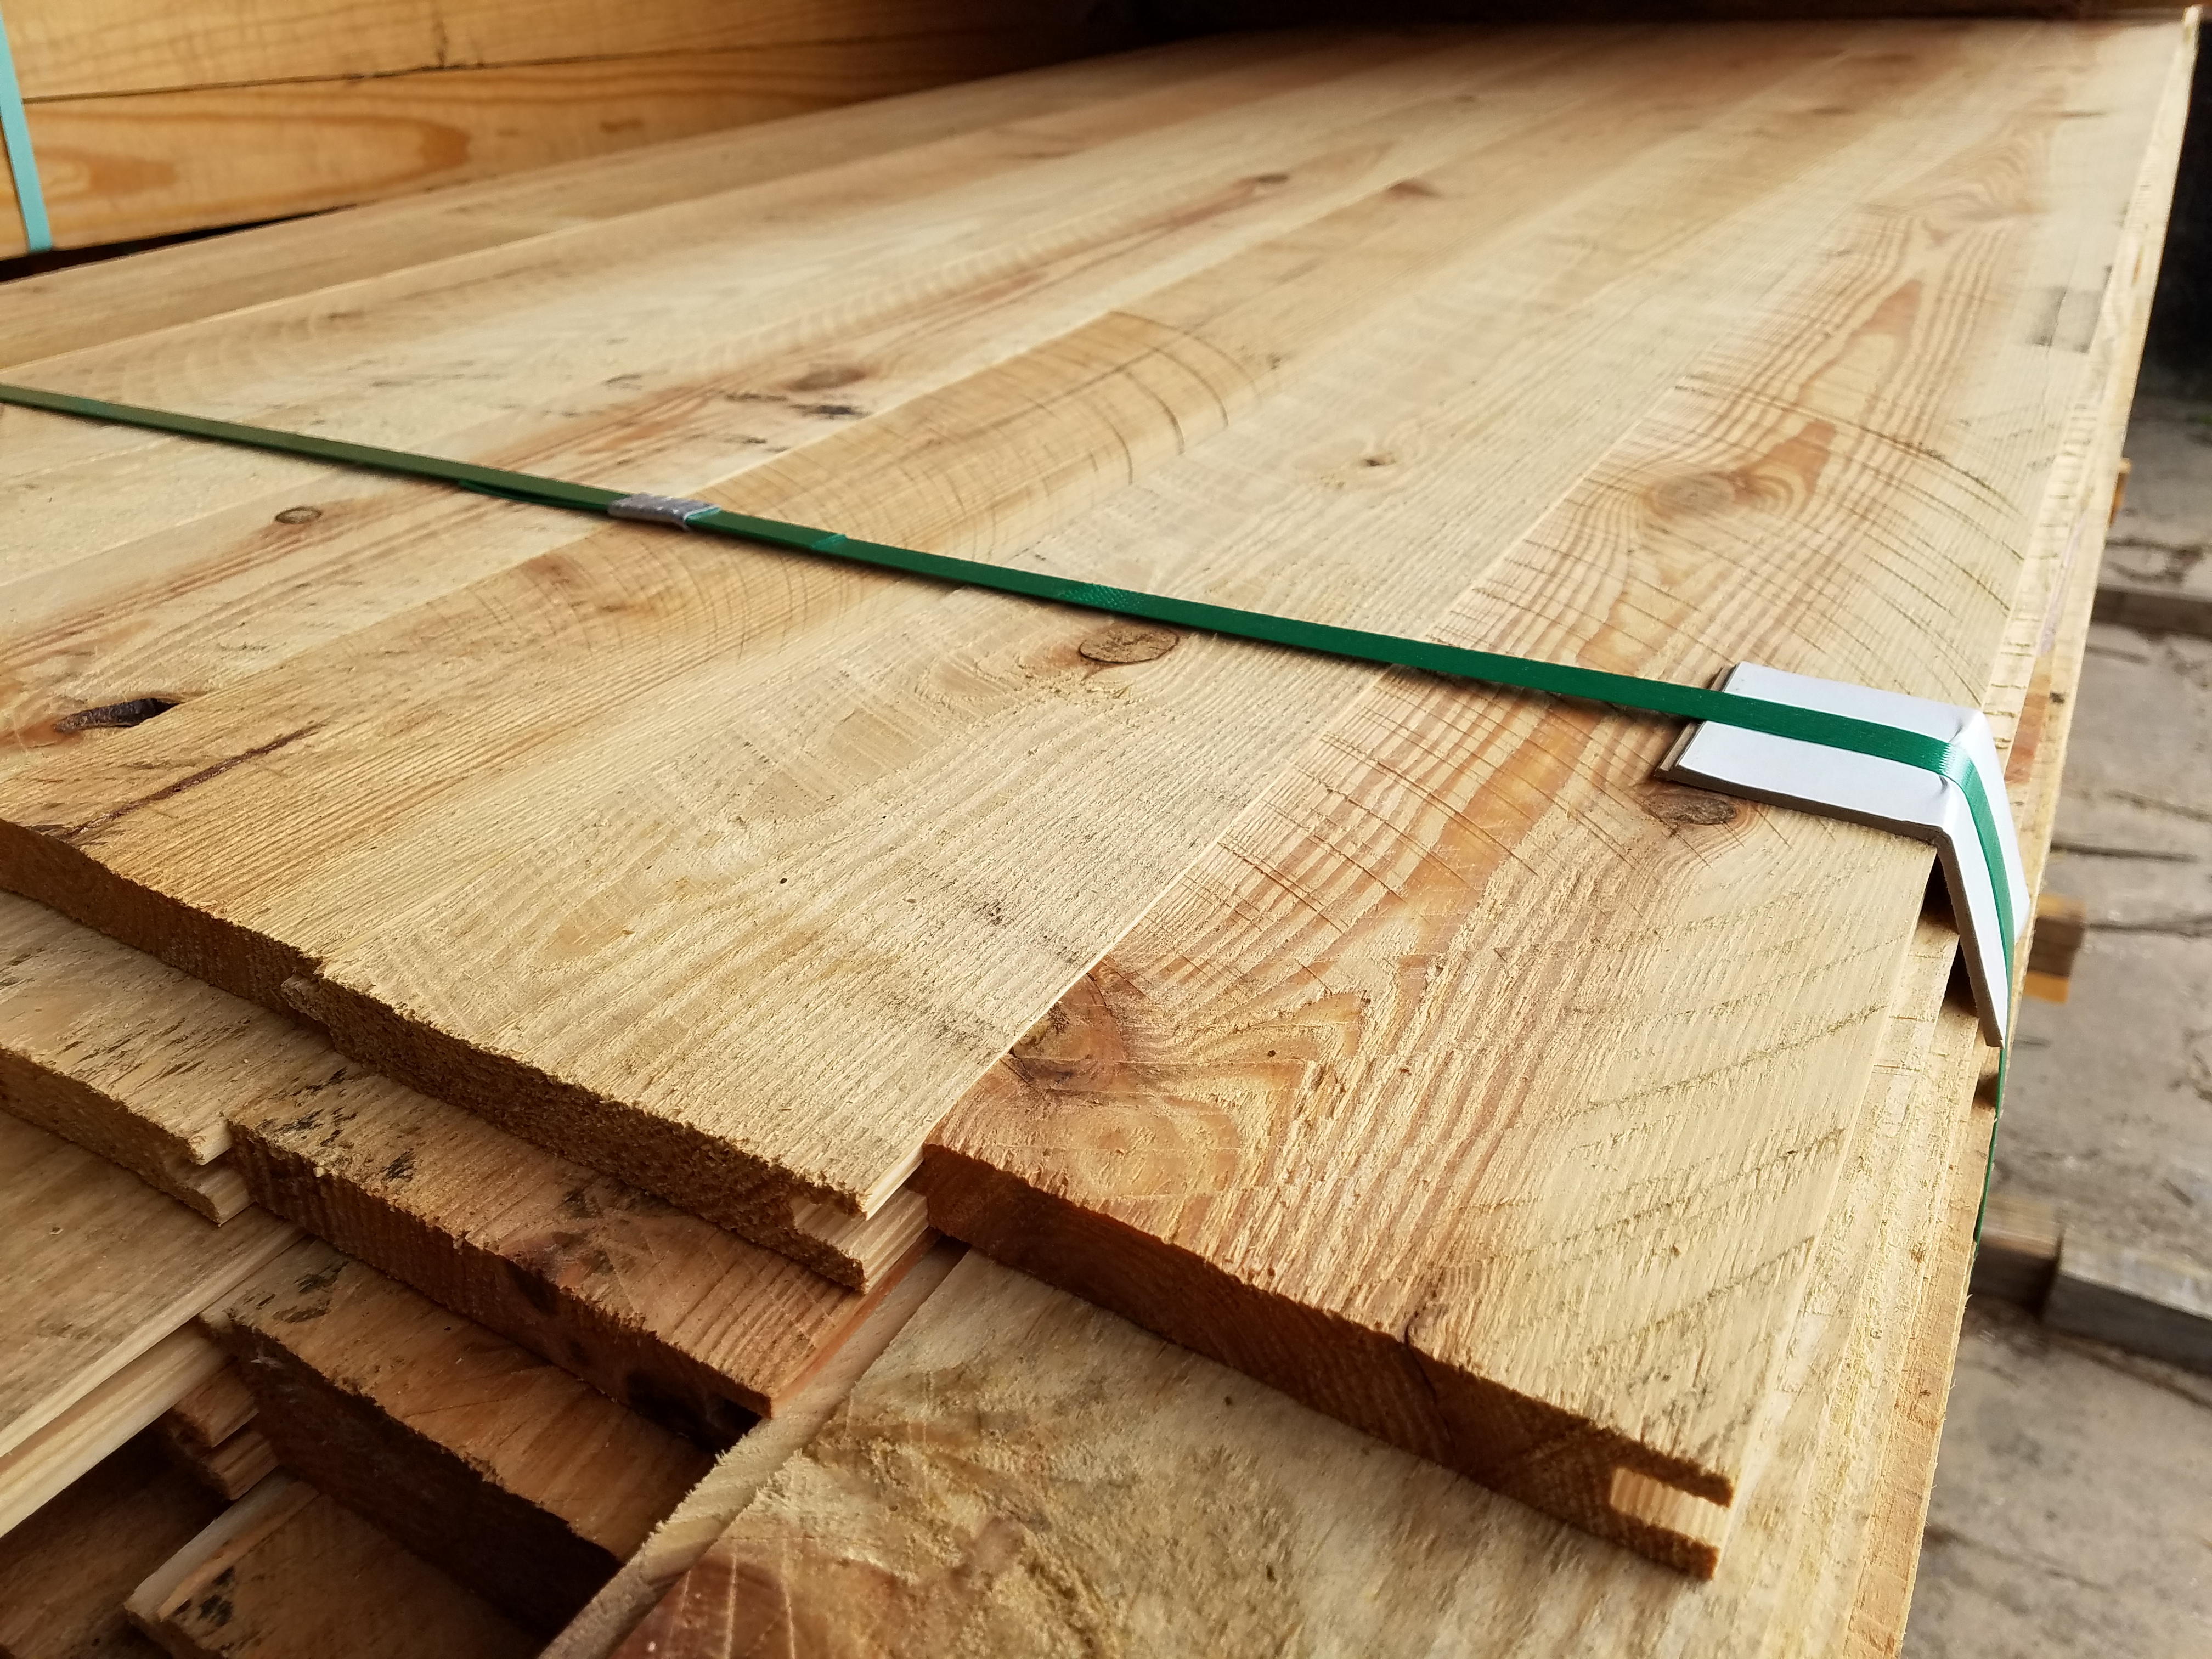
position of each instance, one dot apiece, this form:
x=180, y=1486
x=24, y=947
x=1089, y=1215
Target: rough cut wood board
x=100, y=1268
x=1828, y=1529
x=287, y=1571
x=1471, y=1090
x=90, y=304
x=682, y=1322
x=1632, y=272
x=659, y=1309
x=515, y=1478
x=64, y=1572
x=143, y=123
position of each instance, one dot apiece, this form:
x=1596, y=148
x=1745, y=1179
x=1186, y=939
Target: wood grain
x=64, y=1572
x=1826, y=1534
x=288, y=1571
x=91, y=304
x=100, y=1269
x=1460, y=1029
x=142, y=127
x=42, y=1464
x=1631, y=273
x=88, y=47
x=684, y=1323
x=658, y=1310
x=518, y=1479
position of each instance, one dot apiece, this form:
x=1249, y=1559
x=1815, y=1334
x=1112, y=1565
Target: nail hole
x=1129, y=642
x=300, y=515
x=137, y=711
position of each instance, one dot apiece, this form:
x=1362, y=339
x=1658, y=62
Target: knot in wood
x=1129, y=642
x=300, y=515
x=1673, y=803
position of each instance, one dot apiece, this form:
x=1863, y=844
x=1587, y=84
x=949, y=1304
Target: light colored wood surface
x=693, y=1525
x=1466, y=1090
x=101, y=1268
x=134, y=1061
x=1463, y=365
x=685, y=1323
x=290, y=1572
x=64, y=1572
x=91, y=304
x=84, y=48
x=653, y=1305
x=143, y=124
x=517, y=1478
x=42, y=1464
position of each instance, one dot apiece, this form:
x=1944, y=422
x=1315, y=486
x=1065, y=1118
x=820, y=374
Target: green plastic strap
x=1945, y=760
x=23, y=168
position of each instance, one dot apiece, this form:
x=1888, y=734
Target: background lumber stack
x=586, y=931
x=148, y=119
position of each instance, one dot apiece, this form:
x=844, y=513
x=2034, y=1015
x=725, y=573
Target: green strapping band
x=1947, y=760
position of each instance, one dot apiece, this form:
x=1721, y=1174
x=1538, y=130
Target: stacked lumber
x=146, y=120
x=618, y=948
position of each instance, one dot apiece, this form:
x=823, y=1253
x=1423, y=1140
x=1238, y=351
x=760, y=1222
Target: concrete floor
x=2073, y=1506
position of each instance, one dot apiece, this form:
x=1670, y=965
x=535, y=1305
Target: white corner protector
x=1885, y=794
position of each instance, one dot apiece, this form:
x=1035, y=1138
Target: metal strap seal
x=678, y=510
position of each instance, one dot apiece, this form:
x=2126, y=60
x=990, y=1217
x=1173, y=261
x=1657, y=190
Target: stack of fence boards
x=146, y=120
x=654, y=891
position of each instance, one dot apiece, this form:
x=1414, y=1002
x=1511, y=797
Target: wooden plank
x=1459, y=1029
x=231, y=1470
x=100, y=1269
x=288, y=1571
x=682, y=1323
x=2018, y=1251
x=1624, y=338
x=64, y=1572
x=42, y=1464
x=217, y=1409
x=102, y=46
x=671, y=1549
x=520, y=1480
x=86, y=305
x=2134, y=1299
x=150, y=164
x=133, y=1061
x=1829, y=1532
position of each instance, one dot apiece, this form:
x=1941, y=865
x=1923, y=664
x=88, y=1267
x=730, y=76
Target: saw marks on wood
x=785, y=876
x=518, y=1478
x=1467, y=1090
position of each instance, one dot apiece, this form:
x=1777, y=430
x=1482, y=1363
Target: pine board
x=83, y=48
x=90, y=304
x=101, y=1268
x=153, y=1070
x=1828, y=1534
x=288, y=1570
x=684, y=1322
x=1469, y=1089
x=44, y=1463
x=1463, y=365
x=64, y=1572
x=142, y=127
x=518, y=1479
